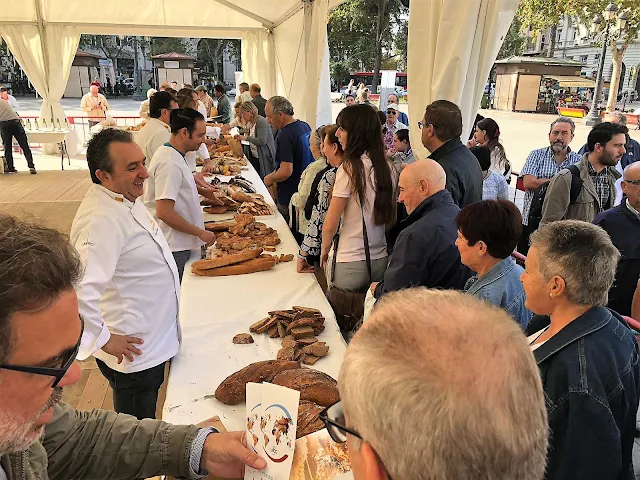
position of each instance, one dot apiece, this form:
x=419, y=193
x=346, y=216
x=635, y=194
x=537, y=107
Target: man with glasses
x=441, y=129
x=423, y=398
x=542, y=165
x=41, y=335
x=391, y=127
x=622, y=223
x=156, y=130
x=402, y=117
x=129, y=291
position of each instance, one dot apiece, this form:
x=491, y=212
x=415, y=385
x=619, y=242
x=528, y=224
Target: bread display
x=216, y=262
x=308, y=418
x=313, y=385
x=233, y=389
x=243, y=339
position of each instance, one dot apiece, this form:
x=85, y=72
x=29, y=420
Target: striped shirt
x=541, y=164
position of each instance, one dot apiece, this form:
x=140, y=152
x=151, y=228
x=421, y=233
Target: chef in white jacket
x=129, y=295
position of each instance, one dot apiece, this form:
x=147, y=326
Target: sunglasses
x=57, y=372
x=391, y=112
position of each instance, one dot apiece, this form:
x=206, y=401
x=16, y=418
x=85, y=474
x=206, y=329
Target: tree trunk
x=552, y=41
x=614, y=86
x=382, y=7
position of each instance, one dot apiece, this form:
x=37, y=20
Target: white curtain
x=452, y=47
x=316, y=44
x=47, y=63
x=324, y=114
x=257, y=61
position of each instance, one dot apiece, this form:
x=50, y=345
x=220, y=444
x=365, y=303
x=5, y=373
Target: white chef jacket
x=202, y=152
x=130, y=284
x=152, y=136
x=202, y=109
x=170, y=178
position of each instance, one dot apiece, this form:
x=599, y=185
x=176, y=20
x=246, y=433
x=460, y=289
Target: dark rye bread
x=308, y=418
x=313, y=385
x=233, y=389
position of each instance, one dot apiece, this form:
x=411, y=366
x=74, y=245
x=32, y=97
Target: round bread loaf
x=313, y=385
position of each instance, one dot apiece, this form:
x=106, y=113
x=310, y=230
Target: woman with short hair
x=587, y=355
x=261, y=151
x=488, y=232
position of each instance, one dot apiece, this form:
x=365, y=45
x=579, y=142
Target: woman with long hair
x=299, y=199
x=309, y=254
x=261, y=151
x=488, y=134
x=361, y=204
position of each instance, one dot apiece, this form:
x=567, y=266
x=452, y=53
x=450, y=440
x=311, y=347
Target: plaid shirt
x=495, y=187
x=601, y=183
x=541, y=164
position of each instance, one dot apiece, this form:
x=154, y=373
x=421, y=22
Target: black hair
x=350, y=95
x=184, y=118
x=219, y=88
x=403, y=135
x=382, y=116
x=446, y=118
x=492, y=132
x=483, y=154
x=603, y=134
x=98, y=157
x=159, y=101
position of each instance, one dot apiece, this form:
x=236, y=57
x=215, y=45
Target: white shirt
x=130, y=284
x=244, y=97
x=152, y=136
x=202, y=109
x=170, y=178
x=202, y=152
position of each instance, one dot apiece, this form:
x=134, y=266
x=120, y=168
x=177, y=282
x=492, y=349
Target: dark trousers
x=181, y=258
x=134, y=393
x=9, y=130
x=523, y=245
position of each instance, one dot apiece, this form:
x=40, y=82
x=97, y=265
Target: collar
x=446, y=148
x=630, y=208
x=590, y=321
x=167, y=144
x=592, y=170
x=426, y=205
x=499, y=270
x=118, y=197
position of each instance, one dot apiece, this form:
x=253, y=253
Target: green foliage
x=111, y=46
x=210, y=53
x=514, y=40
x=161, y=45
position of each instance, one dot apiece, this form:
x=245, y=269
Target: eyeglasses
x=57, y=372
x=422, y=125
x=632, y=182
x=391, y=112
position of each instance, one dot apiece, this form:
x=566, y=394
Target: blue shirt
x=541, y=164
x=292, y=145
x=495, y=187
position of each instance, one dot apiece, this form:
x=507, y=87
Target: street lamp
x=593, y=117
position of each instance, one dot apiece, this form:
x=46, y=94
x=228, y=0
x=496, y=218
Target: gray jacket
x=266, y=146
x=556, y=204
x=100, y=445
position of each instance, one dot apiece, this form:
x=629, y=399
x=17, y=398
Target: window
x=584, y=58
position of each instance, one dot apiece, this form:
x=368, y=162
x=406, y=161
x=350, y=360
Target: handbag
x=348, y=306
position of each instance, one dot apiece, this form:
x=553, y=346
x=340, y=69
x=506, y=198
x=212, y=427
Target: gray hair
x=281, y=105
x=468, y=405
x=619, y=116
x=37, y=264
x=582, y=254
x=564, y=120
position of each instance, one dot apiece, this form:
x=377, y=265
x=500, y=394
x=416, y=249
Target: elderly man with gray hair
x=292, y=151
x=423, y=398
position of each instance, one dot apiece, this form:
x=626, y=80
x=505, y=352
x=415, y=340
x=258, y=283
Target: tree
x=112, y=46
x=210, y=53
x=541, y=15
x=514, y=40
x=161, y=45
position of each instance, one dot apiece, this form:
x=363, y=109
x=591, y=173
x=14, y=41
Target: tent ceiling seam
x=85, y=27
x=265, y=23
x=289, y=14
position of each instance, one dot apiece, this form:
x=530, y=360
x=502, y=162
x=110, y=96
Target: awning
x=572, y=81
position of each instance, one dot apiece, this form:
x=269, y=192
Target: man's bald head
x=632, y=174
x=433, y=367
x=419, y=181
x=94, y=89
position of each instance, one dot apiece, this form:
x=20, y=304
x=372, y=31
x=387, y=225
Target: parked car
x=128, y=82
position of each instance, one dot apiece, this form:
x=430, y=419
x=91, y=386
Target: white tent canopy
x=283, y=41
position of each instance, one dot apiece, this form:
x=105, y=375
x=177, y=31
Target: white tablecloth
x=46, y=136
x=213, y=310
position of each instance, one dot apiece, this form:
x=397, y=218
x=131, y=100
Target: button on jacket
x=130, y=285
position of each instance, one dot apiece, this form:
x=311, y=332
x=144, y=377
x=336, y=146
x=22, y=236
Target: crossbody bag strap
x=367, y=253
x=335, y=253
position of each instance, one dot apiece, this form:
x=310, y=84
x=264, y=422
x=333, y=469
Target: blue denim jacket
x=501, y=286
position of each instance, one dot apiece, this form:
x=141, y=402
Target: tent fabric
x=451, y=48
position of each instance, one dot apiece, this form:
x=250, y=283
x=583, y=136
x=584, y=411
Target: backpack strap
x=576, y=183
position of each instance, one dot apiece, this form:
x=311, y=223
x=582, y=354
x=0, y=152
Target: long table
x=214, y=309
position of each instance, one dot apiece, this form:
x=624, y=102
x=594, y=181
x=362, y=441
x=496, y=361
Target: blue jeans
x=134, y=393
x=181, y=258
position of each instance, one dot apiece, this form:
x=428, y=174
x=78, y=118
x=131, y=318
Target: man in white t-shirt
x=128, y=295
x=170, y=192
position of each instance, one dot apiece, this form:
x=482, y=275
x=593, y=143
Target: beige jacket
x=101, y=445
x=89, y=104
x=556, y=204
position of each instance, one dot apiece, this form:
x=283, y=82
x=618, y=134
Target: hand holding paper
x=225, y=455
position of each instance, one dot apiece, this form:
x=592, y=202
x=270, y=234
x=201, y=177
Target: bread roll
x=231, y=259
x=233, y=389
x=313, y=385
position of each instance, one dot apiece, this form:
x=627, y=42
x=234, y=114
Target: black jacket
x=464, y=175
x=260, y=103
x=425, y=253
x=623, y=226
x=591, y=383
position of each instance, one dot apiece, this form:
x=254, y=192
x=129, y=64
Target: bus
x=367, y=79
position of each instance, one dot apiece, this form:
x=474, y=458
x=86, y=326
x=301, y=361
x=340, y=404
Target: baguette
x=216, y=210
x=313, y=385
x=233, y=389
x=258, y=264
x=219, y=226
x=230, y=259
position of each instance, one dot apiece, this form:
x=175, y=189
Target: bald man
x=424, y=250
x=622, y=223
x=94, y=104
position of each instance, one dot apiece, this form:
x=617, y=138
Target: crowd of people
x=521, y=372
